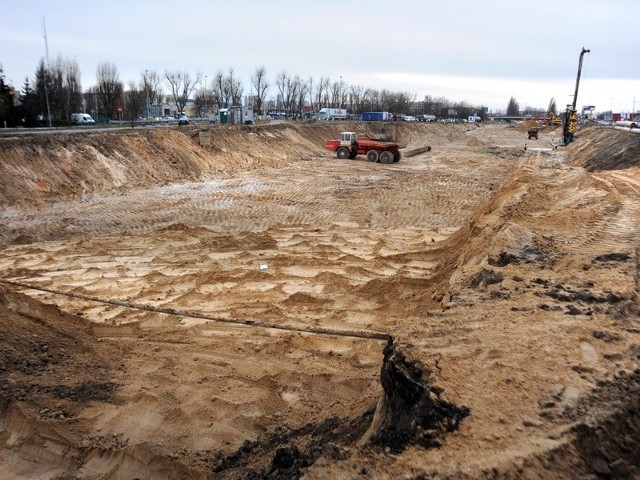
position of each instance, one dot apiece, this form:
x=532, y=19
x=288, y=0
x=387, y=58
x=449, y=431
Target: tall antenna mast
x=46, y=75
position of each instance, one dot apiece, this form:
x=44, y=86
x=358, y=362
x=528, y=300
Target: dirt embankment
x=601, y=148
x=35, y=170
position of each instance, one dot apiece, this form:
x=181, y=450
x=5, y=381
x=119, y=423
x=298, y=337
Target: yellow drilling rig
x=570, y=121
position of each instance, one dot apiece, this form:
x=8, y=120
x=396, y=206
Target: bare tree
x=220, y=91
x=552, y=106
x=63, y=87
x=151, y=87
x=261, y=85
x=110, y=88
x=369, y=100
x=227, y=90
x=336, y=94
x=290, y=91
x=72, y=88
x=235, y=88
x=357, y=96
x=204, y=99
x=282, y=83
x=301, y=93
x=387, y=101
x=342, y=94
x=464, y=109
x=323, y=92
x=435, y=106
x=135, y=101
x=181, y=86
x=310, y=91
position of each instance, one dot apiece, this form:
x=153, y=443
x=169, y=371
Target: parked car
x=409, y=118
x=183, y=120
x=81, y=119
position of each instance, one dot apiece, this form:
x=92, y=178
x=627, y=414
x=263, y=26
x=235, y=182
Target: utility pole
x=46, y=75
x=206, y=112
x=146, y=90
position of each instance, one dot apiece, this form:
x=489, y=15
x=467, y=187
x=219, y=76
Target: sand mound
x=600, y=148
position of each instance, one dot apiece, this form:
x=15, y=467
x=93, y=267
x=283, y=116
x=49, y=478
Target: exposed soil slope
x=606, y=149
x=43, y=168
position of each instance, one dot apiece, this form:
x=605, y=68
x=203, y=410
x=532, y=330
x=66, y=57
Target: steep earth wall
x=37, y=169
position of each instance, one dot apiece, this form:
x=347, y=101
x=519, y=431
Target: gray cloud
x=516, y=41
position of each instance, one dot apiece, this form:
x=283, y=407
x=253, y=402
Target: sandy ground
x=511, y=274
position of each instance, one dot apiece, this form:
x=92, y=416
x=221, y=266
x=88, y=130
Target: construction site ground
x=213, y=302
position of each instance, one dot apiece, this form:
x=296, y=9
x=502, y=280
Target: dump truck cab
x=347, y=139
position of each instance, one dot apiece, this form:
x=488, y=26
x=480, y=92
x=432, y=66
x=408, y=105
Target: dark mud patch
x=410, y=412
x=567, y=294
x=613, y=257
x=485, y=277
x=608, y=439
x=528, y=250
x=283, y=453
x=84, y=392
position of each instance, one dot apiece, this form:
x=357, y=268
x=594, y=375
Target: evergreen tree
x=9, y=112
x=29, y=105
x=513, y=109
x=42, y=90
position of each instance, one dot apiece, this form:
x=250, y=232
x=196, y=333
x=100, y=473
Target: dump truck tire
x=373, y=155
x=343, y=153
x=386, y=157
x=398, y=156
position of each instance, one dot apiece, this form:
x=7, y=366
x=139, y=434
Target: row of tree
x=56, y=93
x=513, y=109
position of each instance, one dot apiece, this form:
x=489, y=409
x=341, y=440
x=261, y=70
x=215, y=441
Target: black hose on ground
x=185, y=313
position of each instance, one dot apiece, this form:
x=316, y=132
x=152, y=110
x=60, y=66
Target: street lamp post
x=146, y=89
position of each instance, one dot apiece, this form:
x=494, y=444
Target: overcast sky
x=479, y=51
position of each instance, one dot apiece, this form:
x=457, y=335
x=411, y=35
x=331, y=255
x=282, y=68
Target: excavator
x=570, y=121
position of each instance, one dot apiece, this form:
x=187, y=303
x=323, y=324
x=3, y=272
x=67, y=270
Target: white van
x=82, y=119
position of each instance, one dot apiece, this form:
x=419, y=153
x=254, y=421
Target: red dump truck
x=351, y=144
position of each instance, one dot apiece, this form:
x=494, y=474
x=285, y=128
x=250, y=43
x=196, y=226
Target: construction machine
x=351, y=144
x=570, y=121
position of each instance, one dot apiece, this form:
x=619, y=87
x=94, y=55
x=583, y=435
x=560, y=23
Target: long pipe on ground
x=185, y=313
